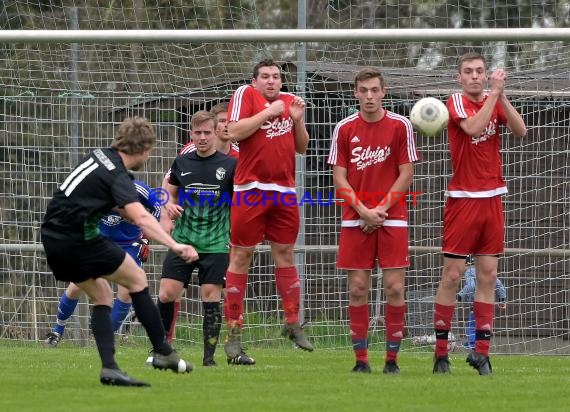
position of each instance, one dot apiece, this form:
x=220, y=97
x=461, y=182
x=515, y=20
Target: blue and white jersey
x=120, y=231
x=467, y=293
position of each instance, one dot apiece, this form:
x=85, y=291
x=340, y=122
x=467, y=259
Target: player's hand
x=297, y=109
x=366, y=228
x=276, y=108
x=173, y=211
x=498, y=80
x=144, y=249
x=373, y=218
x=186, y=252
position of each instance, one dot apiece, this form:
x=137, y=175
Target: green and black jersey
x=205, y=192
x=99, y=183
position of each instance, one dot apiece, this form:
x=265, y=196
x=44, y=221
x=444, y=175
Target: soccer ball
x=429, y=116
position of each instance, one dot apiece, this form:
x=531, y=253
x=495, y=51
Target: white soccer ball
x=429, y=116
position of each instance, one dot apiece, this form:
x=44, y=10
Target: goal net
x=60, y=99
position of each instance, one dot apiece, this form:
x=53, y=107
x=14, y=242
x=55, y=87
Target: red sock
x=172, y=328
x=442, y=324
x=484, y=313
x=394, y=330
x=236, y=285
x=289, y=288
x=358, y=320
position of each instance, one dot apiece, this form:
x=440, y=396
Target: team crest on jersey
x=220, y=173
x=112, y=220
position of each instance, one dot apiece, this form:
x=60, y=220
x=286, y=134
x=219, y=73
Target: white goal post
x=80, y=86
x=284, y=35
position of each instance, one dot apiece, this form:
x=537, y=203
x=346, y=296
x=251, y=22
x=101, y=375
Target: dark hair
x=368, y=73
x=202, y=116
x=264, y=63
x=468, y=57
x=135, y=135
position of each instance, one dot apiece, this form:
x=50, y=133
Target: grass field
x=33, y=378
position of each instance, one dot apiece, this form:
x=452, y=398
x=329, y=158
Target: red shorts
x=264, y=215
x=358, y=250
x=474, y=226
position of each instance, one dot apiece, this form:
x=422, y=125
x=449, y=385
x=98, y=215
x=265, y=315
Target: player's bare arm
x=172, y=208
x=297, y=111
x=244, y=128
x=372, y=218
x=515, y=122
x=136, y=212
x=400, y=186
x=476, y=124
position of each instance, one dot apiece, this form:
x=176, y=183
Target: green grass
x=33, y=378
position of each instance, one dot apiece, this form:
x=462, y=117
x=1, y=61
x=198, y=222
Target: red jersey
x=191, y=147
x=267, y=157
x=475, y=160
x=372, y=152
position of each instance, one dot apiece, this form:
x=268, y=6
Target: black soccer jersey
x=99, y=183
x=205, y=192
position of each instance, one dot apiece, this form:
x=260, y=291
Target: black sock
x=148, y=315
x=211, y=327
x=102, y=328
x=166, y=310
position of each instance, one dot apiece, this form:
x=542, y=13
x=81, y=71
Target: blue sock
x=470, y=329
x=119, y=313
x=65, y=309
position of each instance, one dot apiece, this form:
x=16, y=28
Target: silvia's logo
x=220, y=173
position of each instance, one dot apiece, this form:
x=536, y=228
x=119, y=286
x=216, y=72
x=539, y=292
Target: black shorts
x=211, y=267
x=77, y=260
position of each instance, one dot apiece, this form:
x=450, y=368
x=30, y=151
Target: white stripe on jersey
x=264, y=186
x=80, y=178
x=458, y=105
x=387, y=223
x=238, y=95
x=77, y=170
x=142, y=190
x=187, y=149
x=411, y=146
x=192, y=148
x=333, y=154
x=477, y=195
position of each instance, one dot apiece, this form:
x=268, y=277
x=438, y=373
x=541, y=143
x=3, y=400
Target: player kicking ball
x=77, y=252
x=130, y=238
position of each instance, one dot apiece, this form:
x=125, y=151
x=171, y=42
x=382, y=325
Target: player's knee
x=358, y=291
x=241, y=258
x=169, y=293
x=394, y=290
x=487, y=279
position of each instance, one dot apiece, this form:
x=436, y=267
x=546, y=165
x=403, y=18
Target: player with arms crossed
x=130, y=238
x=372, y=154
x=77, y=252
x=473, y=221
x=270, y=128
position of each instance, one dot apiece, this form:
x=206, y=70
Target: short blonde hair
x=135, y=135
x=202, y=116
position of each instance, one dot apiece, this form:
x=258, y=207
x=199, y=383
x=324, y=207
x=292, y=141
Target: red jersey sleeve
x=338, y=155
x=241, y=104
